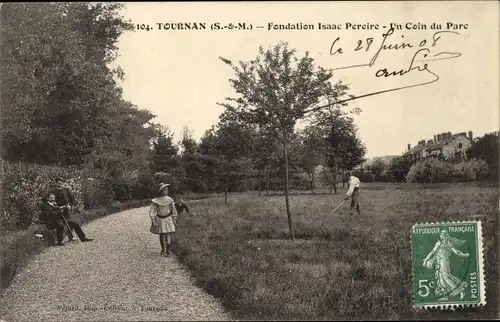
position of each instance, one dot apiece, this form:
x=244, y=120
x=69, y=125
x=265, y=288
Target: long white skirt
x=162, y=225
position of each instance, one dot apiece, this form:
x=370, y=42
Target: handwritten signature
x=423, y=54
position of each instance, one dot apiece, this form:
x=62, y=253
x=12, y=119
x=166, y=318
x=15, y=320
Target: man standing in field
x=353, y=193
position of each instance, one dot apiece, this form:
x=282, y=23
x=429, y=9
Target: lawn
x=339, y=267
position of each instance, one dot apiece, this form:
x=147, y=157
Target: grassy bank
x=339, y=267
x=17, y=248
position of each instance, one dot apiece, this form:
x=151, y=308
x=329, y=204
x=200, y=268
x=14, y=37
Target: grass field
x=339, y=267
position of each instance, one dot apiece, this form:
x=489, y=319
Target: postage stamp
x=447, y=263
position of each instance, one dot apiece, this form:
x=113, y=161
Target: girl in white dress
x=163, y=217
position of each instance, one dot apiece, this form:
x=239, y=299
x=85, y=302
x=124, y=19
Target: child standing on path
x=163, y=217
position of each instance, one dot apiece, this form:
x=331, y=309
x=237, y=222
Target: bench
x=48, y=235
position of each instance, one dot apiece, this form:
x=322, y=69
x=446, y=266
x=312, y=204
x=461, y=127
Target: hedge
x=434, y=170
x=23, y=188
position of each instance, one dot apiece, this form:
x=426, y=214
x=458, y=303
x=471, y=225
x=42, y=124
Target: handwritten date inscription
x=423, y=54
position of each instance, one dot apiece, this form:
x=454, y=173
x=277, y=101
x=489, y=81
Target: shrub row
x=434, y=170
x=23, y=188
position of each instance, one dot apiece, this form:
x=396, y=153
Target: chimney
x=435, y=139
x=409, y=147
x=470, y=135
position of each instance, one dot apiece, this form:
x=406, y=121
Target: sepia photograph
x=249, y=160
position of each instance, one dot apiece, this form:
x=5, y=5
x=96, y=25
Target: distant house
x=444, y=144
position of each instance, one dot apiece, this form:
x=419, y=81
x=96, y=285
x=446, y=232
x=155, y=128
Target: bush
x=145, y=187
x=383, y=178
x=123, y=191
x=399, y=167
x=430, y=170
x=434, y=170
x=471, y=170
x=24, y=188
x=97, y=189
x=364, y=177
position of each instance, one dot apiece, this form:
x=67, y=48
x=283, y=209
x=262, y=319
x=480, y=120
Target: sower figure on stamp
x=353, y=193
x=163, y=216
x=438, y=259
x=52, y=215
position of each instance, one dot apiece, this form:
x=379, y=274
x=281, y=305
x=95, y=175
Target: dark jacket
x=49, y=214
x=64, y=197
x=181, y=206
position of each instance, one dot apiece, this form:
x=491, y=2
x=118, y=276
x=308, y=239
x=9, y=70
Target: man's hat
x=162, y=186
x=58, y=179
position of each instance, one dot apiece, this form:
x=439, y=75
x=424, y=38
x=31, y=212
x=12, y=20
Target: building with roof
x=444, y=144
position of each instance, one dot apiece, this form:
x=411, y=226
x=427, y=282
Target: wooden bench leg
x=50, y=236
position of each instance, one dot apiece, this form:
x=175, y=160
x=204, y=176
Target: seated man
x=53, y=218
x=180, y=205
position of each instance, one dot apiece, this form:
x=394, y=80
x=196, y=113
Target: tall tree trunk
x=312, y=182
x=335, y=176
x=268, y=176
x=287, y=202
x=260, y=193
x=226, y=187
x=330, y=181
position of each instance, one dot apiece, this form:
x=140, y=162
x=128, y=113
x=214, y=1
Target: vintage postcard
x=249, y=160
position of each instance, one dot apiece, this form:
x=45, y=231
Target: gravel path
x=120, y=276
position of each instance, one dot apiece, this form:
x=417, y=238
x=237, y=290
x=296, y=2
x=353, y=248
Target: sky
x=177, y=74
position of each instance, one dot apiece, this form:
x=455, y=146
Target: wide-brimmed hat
x=162, y=186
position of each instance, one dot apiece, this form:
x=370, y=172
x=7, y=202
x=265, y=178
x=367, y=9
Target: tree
x=377, y=168
x=312, y=151
x=233, y=145
x=352, y=152
x=264, y=152
x=210, y=159
x=60, y=101
x=486, y=148
x=194, y=164
x=275, y=90
x=164, y=157
x=342, y=148
x=188, y=144
x=399, y=167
